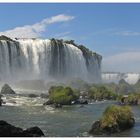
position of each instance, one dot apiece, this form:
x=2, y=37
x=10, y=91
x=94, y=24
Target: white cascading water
x=131, y=78
x=25, y=59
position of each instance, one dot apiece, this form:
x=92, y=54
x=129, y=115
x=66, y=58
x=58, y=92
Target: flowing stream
x=70, y=121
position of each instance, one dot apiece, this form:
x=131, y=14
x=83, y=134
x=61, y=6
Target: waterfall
x=46, y=59
x=131, y=78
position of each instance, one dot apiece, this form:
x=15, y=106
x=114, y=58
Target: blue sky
x=112, y=30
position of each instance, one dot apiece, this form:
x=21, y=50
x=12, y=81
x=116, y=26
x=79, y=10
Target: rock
x=32, y=95
x=34, y=131
x=115, y=119
x=83, y=102
x=8, y=130
x=1, y=101
x=96, y=128
x=80, y=101
x=75, y=102
x=57, y=105
x=49, y=102
x=6, y=89
x=126, y=125
x=44, y=95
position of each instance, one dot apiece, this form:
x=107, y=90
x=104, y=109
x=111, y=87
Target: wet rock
x=96, y=128
x=8, y=130
x=1, y=101
x=49, y=102
x=83, y=102
x=32, y=95
x=115, y=119
x=6, y=89
x=54, y=105
x=80, y=101
x=57, y=105
x=44, y=95
x=33, y=131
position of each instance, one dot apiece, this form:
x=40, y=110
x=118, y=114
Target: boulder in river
x=34, y=131
x=1, y=101
x=33, y=95
x=6, y=89
x=80, y=101
x=115, y=119
x=42, y=95
x=8, y=130
x=49, y=102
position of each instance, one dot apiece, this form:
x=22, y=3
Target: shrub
x=114, y=119
x=132, y=99
x=101, y=92
x=116, y=115
x=61, y=95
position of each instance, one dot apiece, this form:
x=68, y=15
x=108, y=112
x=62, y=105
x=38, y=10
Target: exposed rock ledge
x=8, y=130
x=6, y=89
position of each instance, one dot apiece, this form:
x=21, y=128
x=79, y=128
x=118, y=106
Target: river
x=69, y=121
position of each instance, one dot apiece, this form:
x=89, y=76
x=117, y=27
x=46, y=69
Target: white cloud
x=122, y=62
x=64, y=35
x=35, y=30
x=58, y=18
x=128, y=33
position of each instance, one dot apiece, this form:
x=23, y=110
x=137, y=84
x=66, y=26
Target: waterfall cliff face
x=46, y=59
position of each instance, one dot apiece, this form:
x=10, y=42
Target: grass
x=101, y=92
x=114, y=115
x=62, y=95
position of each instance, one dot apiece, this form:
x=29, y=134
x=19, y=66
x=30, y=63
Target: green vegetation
x=116, y=115
x=121, y=88
x=124, y=88
x=114, y=119
x=85, y=50
x=100, y=93
x=131, y=99
x=61, y=95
